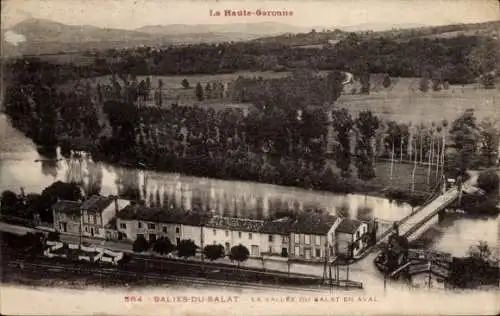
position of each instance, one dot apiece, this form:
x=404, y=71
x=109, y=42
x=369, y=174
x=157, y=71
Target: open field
x=401, y=177
x=402, y=101
x=405, y=103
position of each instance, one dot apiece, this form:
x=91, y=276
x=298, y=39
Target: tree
x=488, y=80
x=186, y=248
x=214, y=252
x=480, y=251
x=160, y=92
x=239, y=253
x=488, y=180
x=199, y=92
x=343, y=124
x=490, y=139
x=57, y=191
x=387, y=81
x=208, y=91
x=9, y=199
x=366, y=124
x=140, y=244
x=185, y=83
x=54, y=236
x=365, y=82
x=423, y=84
x=464, y=134
x=163, y=246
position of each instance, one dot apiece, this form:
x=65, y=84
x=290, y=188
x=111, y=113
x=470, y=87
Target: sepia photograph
x=252, y=157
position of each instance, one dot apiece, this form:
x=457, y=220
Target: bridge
x=419, y=221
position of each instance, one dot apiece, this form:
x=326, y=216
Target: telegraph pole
x=202, y=249
x=81, y=220
x=429, y=275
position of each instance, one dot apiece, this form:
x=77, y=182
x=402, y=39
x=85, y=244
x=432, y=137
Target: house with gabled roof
x=66, y=216
x=350, y=236
x=312, y=236
x=275, y=237
x=97, y=211
x=152, y=223
x=232, y=231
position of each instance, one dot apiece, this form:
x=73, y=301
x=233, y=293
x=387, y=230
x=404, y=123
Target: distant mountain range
x=39, y=36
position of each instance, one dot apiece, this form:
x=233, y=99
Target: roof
x=279, y=226
x=69, y=207
x=235, y=224
x=349, y=226
x=312, y=222
x=161, y=215
x=96, y=203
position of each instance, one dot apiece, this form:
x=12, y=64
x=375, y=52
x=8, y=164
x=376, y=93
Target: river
x=21, y=165
x=19, y=168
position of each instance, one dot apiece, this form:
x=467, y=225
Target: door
x=65, y=227
x=284, y=252
x=92, y=231
x=177, y=240
x=227, y=248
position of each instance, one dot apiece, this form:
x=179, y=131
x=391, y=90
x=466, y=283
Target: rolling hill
x=41, y=36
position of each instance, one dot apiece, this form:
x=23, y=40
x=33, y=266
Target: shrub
x=488, y=180
x=140, y=244
x=214, y=252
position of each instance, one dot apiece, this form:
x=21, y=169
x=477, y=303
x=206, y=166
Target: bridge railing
x=417, y=226
x=429, y=200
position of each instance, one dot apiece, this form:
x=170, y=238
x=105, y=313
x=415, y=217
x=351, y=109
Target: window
x=86, y=229
x=177, y=230
x=270, y=238
x=297, y=251
x=239, y=234
x=250, y=236
x=283, y=239
x=270, y=249
x=151, y=226
x=318, y=252
x=139, y=225
x=140, y=236
x=296, y=238
x=227, y=233
x=357, y=234
x=307, y=239
x=91, y=218
x=123, y=226
x=215, y=232
x=164, y=229
x=318, y=240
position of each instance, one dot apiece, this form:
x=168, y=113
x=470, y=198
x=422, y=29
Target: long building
x=309, y=236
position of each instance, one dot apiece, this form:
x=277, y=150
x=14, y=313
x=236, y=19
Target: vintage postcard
x=162, y=157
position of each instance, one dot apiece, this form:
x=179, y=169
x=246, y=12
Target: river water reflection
x=20, y=166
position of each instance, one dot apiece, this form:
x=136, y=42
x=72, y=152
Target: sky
x=130, y=14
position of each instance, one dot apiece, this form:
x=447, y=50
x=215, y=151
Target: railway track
x=154, y=276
